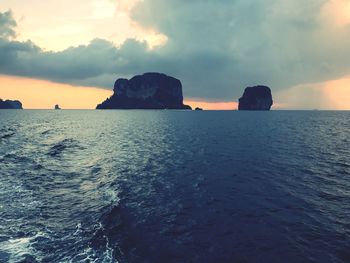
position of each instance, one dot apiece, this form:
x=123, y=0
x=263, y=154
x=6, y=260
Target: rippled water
x=172, y=186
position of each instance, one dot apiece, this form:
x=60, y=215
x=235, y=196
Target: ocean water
x=174, y=186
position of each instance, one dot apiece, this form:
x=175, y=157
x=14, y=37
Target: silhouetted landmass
x=198, y=109
x=57, y=107
x=256, y=98
x=10, y=104
x=147, y=91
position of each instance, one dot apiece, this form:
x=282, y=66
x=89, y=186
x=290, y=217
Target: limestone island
x=57, y=107
x=147, y=91
x=198, y=109
x=258, y=98
x=10, y=104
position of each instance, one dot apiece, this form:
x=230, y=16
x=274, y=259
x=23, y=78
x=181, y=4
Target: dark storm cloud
x=96, y=64
x=7, y=25
x=223, y=46
x=215, y=47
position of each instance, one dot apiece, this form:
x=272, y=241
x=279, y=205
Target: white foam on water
x=111, y=196
x=90, y=255
x=17, y=248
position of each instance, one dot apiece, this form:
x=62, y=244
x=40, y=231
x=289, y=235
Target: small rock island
x=258, y=98
x=57, y=107
x=147, y=91
x=11, y=104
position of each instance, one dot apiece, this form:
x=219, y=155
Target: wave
x=16, y=158
x=6, y=133
x=106, y=234
x=20, y=249
x=24, y=249
x=58, y=148
x=45, y=132
x=89, y=253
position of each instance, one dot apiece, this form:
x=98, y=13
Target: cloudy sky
x=59, y=51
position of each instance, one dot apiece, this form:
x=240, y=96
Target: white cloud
x=57, y=25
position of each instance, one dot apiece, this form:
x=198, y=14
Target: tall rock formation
x=147, y=91
x=256, y=98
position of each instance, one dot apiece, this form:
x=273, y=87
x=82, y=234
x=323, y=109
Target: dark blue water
x=172, y=186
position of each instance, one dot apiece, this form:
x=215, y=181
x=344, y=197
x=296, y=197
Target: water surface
x=173, y=186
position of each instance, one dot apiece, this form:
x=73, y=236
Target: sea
x=174, y=186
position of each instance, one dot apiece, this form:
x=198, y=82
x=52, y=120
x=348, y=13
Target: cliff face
x=148, y=91
x=10, y=104
x=256, y=98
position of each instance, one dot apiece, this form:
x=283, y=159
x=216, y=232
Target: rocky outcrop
x=57, y=107
x=147, y=91
x=10, y=104
x=199, y=109
x=256, y=98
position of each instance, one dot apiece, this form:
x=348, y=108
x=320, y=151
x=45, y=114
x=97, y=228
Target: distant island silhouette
x=147, y=91
x=11, y=104
x=258, y=98
x=159, y=91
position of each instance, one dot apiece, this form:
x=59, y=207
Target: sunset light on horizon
x=43, y=94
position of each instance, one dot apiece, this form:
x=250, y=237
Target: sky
x=71, y=52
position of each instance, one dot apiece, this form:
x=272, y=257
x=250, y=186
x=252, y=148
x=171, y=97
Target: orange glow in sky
x=207, y=105
x=42, y=94
x=337, y=93
x=328, y=95
x=337, y=12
